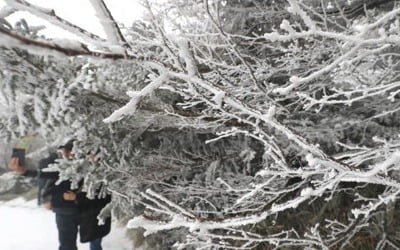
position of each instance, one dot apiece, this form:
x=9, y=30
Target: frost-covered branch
x=296, y=9
x=113, y=32
x=6, y=11
x=59, y=48
x=50, y=16
x=136, y=97
x=234, y=47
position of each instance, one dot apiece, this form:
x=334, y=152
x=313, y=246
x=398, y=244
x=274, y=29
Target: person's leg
x=96, y=244
x=67, y=226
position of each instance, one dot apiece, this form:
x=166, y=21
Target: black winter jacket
x=52, y=191
x=88, y=209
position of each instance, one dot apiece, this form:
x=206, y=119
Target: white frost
x=132, y=105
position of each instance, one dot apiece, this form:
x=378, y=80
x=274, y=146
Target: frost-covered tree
x=35, y=96
x=233, y=124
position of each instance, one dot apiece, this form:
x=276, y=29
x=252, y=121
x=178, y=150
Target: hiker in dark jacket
x=72, y=208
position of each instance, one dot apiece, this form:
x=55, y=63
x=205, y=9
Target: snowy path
x=24, y=226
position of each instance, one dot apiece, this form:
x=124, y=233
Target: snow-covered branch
x=6, y=11
x=58, y=48
x=113, y=32
x=50, y=16
x=136, y=97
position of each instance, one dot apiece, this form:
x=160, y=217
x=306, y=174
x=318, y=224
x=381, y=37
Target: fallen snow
x=26, y=226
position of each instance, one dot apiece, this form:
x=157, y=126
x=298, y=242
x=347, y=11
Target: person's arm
x=30, y=173
x=44, y=163
x=40, y=174
x=14, y=165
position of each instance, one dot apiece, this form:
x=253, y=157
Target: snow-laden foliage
x=35, y=95
x=227, y=124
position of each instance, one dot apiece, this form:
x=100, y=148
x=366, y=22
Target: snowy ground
x=24, y=226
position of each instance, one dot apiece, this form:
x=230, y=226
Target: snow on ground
x=23, y=225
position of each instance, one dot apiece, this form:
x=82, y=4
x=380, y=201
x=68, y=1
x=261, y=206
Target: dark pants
x=96, y=244
x=67, y=225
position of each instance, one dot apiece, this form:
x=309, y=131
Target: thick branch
x=108, y=22
x=50, y=16
x=11, y=39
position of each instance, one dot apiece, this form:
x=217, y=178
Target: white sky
x=80, y=13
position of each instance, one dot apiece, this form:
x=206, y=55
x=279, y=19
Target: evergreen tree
x=252, y=124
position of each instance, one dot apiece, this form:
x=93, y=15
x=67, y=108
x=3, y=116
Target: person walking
x=74, y=212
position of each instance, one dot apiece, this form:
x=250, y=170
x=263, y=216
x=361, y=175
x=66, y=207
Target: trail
x=25, y=226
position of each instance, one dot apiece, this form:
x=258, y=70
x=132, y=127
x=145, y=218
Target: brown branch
x=11, y=39
x=55, y=20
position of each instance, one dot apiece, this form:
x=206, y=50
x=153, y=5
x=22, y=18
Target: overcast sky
x=81, y=13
